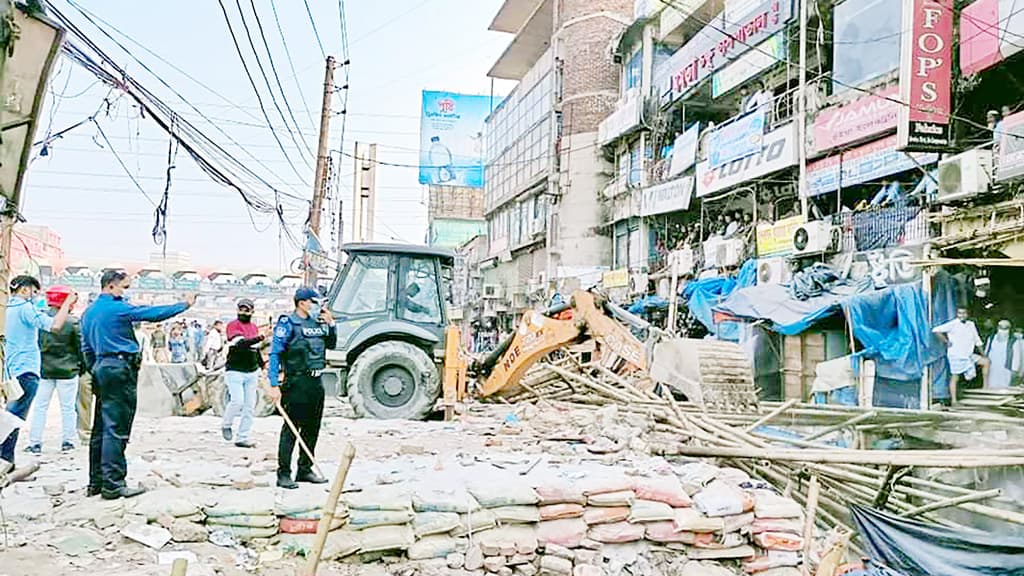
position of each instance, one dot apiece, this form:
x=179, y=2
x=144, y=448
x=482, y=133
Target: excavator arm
x=540, y=333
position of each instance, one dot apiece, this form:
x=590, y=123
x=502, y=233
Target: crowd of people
x=93, y=365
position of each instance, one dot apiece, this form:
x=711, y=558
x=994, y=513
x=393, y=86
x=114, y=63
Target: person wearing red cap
x=62, y=363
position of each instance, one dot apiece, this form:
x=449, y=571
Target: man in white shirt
x=961, y=338
x=212, y=345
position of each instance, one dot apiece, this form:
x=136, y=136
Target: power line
x=252, y=83
x=316, y=33
x=291, y=63
x=121, y=162
x=266, y=79
x=277, y=79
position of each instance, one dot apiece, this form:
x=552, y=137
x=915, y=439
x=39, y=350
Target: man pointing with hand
x=299, y=349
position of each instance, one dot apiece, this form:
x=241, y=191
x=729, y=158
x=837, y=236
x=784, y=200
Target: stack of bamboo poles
x=879, y=478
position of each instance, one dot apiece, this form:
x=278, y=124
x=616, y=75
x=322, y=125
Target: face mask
x=314, y=310
x=244, y=318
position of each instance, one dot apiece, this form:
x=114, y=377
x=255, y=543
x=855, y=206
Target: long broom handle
x=298, y=437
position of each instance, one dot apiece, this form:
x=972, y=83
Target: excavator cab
x=389, y=302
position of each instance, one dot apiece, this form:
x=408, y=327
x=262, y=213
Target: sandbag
x=475, y=522
x=737, y=522
x=771, y=559
x=606, y=485
x=605, y=514
x=257, y=502
x=694, y=476
x=438, y=500
x=380, y=498
x=498, y=495
x=650, y=511
x=693, y=520
x=620, y=498
x=341, y=512
x=789, y=525
x=339, y=544
x=435, y=546
x=244, y=521
x=721, y=499
x=665, y=489
x=429, y=523
x=380, y=538
x=768, y=504
x=305, y=526
x=695, y=568
x=559, y=511
x=360, y=519
x=721, y=541
x=175, y=502
x=560, y=493
x=616, y=533
x=665, y=532
x=517, y=514
x=306, y=499
x=779, y=541
x=247, y=533
x=566, y=533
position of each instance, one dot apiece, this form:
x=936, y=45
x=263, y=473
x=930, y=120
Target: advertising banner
x=615, y=278
x=710, y=50
x=926, y=67
x=776, y=239
x=454, y=232
x=855, y=120
x=1011, y=147
x=451, y=139
x=667, y=197
x=778, y=152
x=751, y=64
x=684, y=151
x=863, y=164
x=990, y=31
x=738, y=139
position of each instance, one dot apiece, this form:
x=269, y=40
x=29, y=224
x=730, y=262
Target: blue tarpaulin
x=893, y=326
x=702, y=296
x=648, y=303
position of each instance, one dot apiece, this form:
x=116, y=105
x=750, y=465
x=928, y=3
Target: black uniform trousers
x=115, y=386
x=302, y=397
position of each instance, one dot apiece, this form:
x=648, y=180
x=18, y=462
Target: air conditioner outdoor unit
x=773, y=271
x=493, y=292
x=729, y=253
x=817, y=237
x=684, y=260
x=964, y=175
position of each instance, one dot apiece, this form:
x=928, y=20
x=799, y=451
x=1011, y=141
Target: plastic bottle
x=441, y=160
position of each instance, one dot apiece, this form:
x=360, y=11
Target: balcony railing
x=882, y=227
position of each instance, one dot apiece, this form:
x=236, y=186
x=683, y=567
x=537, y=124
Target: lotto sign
x=925, y=75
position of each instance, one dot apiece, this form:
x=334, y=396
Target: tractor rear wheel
x=393, y=380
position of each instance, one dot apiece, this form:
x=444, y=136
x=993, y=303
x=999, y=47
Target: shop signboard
x=670, y=196
x=761, y=58
x=738, y=139
x=776, y=239
x=855, y=120
x=684, y=151
x=863, y=164
x=1011, y=148
x=887, y=266
x=615, y=278
x=777, y=153
x=451, y=143
x=719, y=43
x=926, y=67
x=990, y=32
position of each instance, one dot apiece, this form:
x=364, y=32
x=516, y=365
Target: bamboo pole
x=950, y=459
x=949, y=502
x=327, y=515
x=180, y=567
x=845, y=424
x=298, y=437
x=769, y=416
x=809, y=518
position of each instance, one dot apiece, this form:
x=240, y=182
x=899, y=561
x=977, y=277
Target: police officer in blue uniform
x=113, y=355
x=299, y=349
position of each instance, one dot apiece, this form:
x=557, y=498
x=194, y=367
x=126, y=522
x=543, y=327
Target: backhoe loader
x=398, y=353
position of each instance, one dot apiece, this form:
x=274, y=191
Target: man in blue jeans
x=23, y=359
x=242, y=374
x=113, y=355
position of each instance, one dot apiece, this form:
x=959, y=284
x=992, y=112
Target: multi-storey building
x=455, y=215
x=543, y=167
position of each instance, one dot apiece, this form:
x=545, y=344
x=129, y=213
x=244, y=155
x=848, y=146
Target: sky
x=84, y=188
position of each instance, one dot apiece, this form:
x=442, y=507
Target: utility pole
x=320, y=180
x=364, y=192
x=801, y=111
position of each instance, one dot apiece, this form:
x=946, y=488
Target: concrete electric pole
x=320, y=180
x=364, y=192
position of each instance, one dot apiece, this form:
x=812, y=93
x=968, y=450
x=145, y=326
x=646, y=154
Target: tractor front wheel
x=393, y=380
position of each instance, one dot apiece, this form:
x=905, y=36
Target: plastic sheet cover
x=916, y=547
x=702, y=296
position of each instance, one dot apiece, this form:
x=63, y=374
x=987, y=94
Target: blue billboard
x=452, y=139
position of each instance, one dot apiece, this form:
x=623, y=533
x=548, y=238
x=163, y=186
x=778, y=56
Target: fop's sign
x=926, y=75
x=778, y=152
